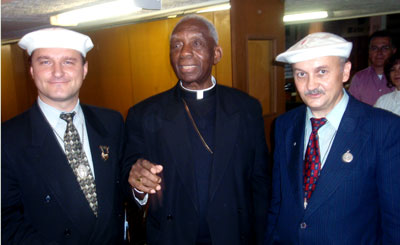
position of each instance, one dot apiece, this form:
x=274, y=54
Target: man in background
x=369, y=84
x=197, y=151
x=336, y=171
x=60, y=159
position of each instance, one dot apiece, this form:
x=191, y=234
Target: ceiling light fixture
x=96, y=12
x=215, y=8
x=305, y=16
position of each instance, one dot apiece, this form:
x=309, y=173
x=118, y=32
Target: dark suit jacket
x=353, y=203
x=157, y=130
x=41, y=199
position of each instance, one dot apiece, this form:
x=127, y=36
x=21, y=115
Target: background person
x=369, y=84
x=391, y=101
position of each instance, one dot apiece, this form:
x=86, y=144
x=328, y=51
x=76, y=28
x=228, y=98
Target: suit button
x=67, y=232
x=303, y=225
x=47, y=199
x=170, y=217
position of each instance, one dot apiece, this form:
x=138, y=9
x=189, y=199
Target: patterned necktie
x=78, y=161
x=312, y=162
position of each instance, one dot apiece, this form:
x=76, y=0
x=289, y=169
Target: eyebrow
x=43, y=57
x=315, y=69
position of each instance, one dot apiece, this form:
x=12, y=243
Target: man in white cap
x=336, y=175
x=60, y=159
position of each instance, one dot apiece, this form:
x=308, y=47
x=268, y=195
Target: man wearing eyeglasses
x=369, y=84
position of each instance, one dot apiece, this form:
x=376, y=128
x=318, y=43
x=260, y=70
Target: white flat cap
x=316, y=45
x=56, y=38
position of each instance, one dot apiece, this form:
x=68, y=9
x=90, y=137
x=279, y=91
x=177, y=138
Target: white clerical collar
x=200, y=93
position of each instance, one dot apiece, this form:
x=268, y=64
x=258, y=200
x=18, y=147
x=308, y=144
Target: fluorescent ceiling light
x=96, y=12
x=305, y=16
x=215, y=8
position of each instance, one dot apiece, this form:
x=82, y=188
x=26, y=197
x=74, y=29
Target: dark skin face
x=193, y=52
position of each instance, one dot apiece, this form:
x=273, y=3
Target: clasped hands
x=144, y=176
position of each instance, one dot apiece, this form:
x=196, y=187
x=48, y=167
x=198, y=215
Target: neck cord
x=195, y=127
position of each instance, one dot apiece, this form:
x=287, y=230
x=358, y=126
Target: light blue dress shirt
x=59, y=125
x=327, y=133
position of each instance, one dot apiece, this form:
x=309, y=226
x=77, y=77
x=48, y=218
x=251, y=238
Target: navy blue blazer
x=157, y=130
x=41, y=201
x=355, y=202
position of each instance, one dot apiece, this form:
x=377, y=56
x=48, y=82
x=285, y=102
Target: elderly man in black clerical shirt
x=196, y=154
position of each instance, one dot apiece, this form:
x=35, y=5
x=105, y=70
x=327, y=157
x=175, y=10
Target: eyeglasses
x=385, y=48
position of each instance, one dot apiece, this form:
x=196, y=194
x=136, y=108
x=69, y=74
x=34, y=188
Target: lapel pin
x=104, y=152
x=294, y=144
x=347, y=157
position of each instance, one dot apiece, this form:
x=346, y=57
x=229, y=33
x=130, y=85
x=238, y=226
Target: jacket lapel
x=104, y=169
x=178, y=143
x=226, y=130
x=294, y=140
x=350, y=137
x=54, y=168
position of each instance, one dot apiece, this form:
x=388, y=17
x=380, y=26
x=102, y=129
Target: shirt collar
x=335, y=116
x=52, y=114
x=200, y=92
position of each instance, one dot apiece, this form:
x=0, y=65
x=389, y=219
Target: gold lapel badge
x=104, y=152
x=347, y=157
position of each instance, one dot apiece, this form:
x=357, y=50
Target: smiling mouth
x=58, y=81
x=187, y=67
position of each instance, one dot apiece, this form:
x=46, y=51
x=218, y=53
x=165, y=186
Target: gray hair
x=342, y=61
x=210, y=26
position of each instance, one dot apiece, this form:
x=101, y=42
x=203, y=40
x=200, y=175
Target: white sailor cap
x=56, y=38
x=316, y=45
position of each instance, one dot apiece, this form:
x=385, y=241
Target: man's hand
x=144, y=176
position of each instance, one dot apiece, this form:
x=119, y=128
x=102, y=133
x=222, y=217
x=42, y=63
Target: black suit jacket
x=41, y=199
x=157, y=130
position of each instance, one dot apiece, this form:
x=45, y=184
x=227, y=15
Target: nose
x=186, y=50
x=58, y=70
x=312, y=83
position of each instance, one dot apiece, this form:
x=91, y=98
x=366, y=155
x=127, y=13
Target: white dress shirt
x=390, y=102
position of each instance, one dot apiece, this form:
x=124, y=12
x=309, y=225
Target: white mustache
x=314, y=91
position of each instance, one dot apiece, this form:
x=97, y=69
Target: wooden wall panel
x=223, y=70
x=149, y=53
x=127, y=65
x=109, y=80
x=260, y=72
x=259, y=20
x=17, y=88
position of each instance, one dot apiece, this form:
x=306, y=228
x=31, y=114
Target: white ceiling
x=21, y=16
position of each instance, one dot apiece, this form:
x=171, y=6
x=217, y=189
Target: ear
x=31, y=71
x=346, y=71
x=85, y=70
x=217, y=54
